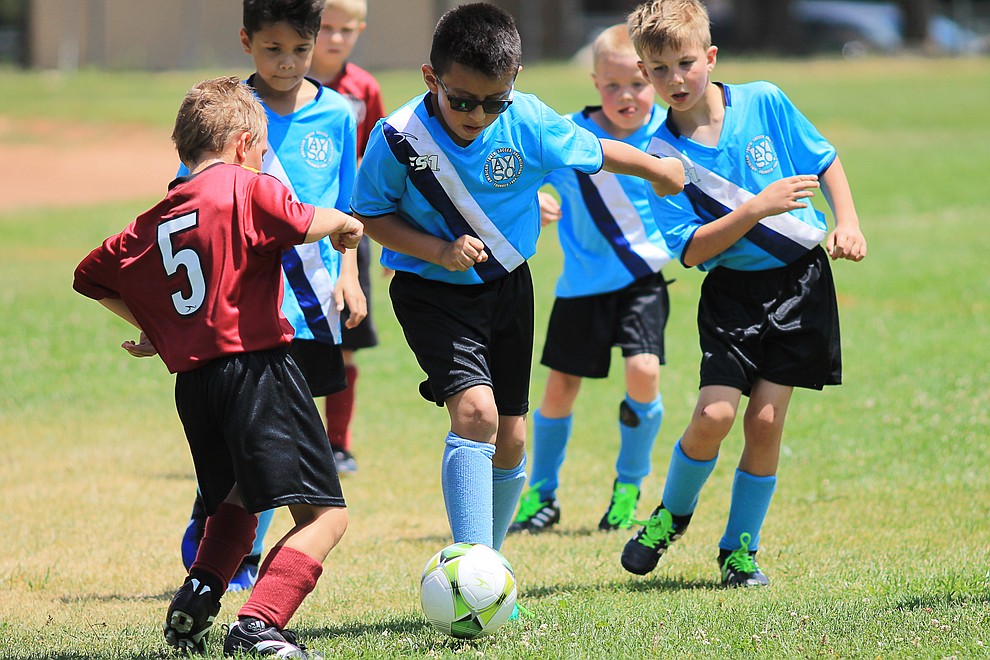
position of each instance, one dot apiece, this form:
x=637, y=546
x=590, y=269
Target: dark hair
x=302, y=15
x=478, y=36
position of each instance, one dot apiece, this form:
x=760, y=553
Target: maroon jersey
x=363, y=91
x=202, y=270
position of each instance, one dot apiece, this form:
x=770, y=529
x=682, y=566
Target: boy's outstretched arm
x=846, y=241
x=396, y=234
x=781, y=196
x=666, y=174
x=344, y=231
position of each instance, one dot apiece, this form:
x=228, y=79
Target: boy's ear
x=241, y=145
x=245, y=41
x=642, y=69
x=430, y=78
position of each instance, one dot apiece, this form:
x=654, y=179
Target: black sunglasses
x=490, y=107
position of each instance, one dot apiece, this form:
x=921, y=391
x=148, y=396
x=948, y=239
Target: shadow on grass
x=411, y=625
x=631, y=585
x=165, y=597
x=941, y=600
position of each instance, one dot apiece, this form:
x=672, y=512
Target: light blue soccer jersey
x=764, y=138
x=607, y=232
x=487, y=189
x=313, y=152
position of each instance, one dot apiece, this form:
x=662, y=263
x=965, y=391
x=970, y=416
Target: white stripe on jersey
x=628, y=220
x=732, y=197
x=406, y=121
x=309, y=254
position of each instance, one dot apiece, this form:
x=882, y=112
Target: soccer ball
x=468, y=590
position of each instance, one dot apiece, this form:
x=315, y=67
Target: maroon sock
x=340, y=411
x=228, y=537
x=284, y=581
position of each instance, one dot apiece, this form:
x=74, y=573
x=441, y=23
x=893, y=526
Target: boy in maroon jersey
x=200, y=275
x=341, y=24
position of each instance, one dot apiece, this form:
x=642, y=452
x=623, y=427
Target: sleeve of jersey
x=677, y=221
x=374, y=110
x=808, y=150
x=381, y=179
x=348, y=167
x=95, y=275
x=275, y=219
x=567, y=145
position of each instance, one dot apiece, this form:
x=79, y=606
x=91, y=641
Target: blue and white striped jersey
x=313, y=152
x=607, y=232
x=764, y=138
x=487, y=189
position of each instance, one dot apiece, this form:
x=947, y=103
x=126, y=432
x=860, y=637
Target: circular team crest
x=760, y=155
x=503, y=167
x=317, y=149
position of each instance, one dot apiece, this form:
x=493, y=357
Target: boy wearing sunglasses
x=448, y=186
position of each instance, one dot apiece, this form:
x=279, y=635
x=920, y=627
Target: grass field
x=878, y=539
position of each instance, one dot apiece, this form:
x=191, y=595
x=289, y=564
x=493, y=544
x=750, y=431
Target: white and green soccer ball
x=468, y=590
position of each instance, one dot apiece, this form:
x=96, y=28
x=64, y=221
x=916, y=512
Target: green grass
x=877, y=542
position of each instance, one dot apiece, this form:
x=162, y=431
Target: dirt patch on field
x=51, y=164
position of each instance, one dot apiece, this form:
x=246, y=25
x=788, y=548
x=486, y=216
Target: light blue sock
x=639, y=424
x=466, y=479
x=685, y=479
x=750, y=503
x=507, y=486
x=264, y=522
x=550, y=438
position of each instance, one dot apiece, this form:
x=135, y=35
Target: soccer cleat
x=246, y=575
x=535, y=515
x=194, y=532
x=254, y=637
x=344, y=461
x=622, y=508
x=643, y=551
x=739, y=568
x=190, y=615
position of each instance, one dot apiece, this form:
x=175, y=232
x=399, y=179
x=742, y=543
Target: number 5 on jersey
x=186, y=258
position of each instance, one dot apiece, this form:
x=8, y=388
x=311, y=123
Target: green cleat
x=621, y=510
x=535, y=514
x=739, y=568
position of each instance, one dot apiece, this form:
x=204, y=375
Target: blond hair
x=213, y=113
x=660, y=24
x=357, y=9
x=613, y=40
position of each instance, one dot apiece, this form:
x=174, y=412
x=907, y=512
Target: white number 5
x=186, y=258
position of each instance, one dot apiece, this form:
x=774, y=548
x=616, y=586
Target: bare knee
x=473, y=415
x=714, y=420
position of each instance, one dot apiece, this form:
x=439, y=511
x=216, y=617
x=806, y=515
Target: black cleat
x=643, y=551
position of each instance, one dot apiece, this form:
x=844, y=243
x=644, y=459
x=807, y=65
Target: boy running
x=610, y=293
x=767, y=318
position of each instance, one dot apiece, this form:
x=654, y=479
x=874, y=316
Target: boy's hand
x=141, y=348
x=845, y=243
x=463, y=253
x=785, y=195
x=549, y=209
x=671, y=181
x=348, y=237
x=348, y=293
